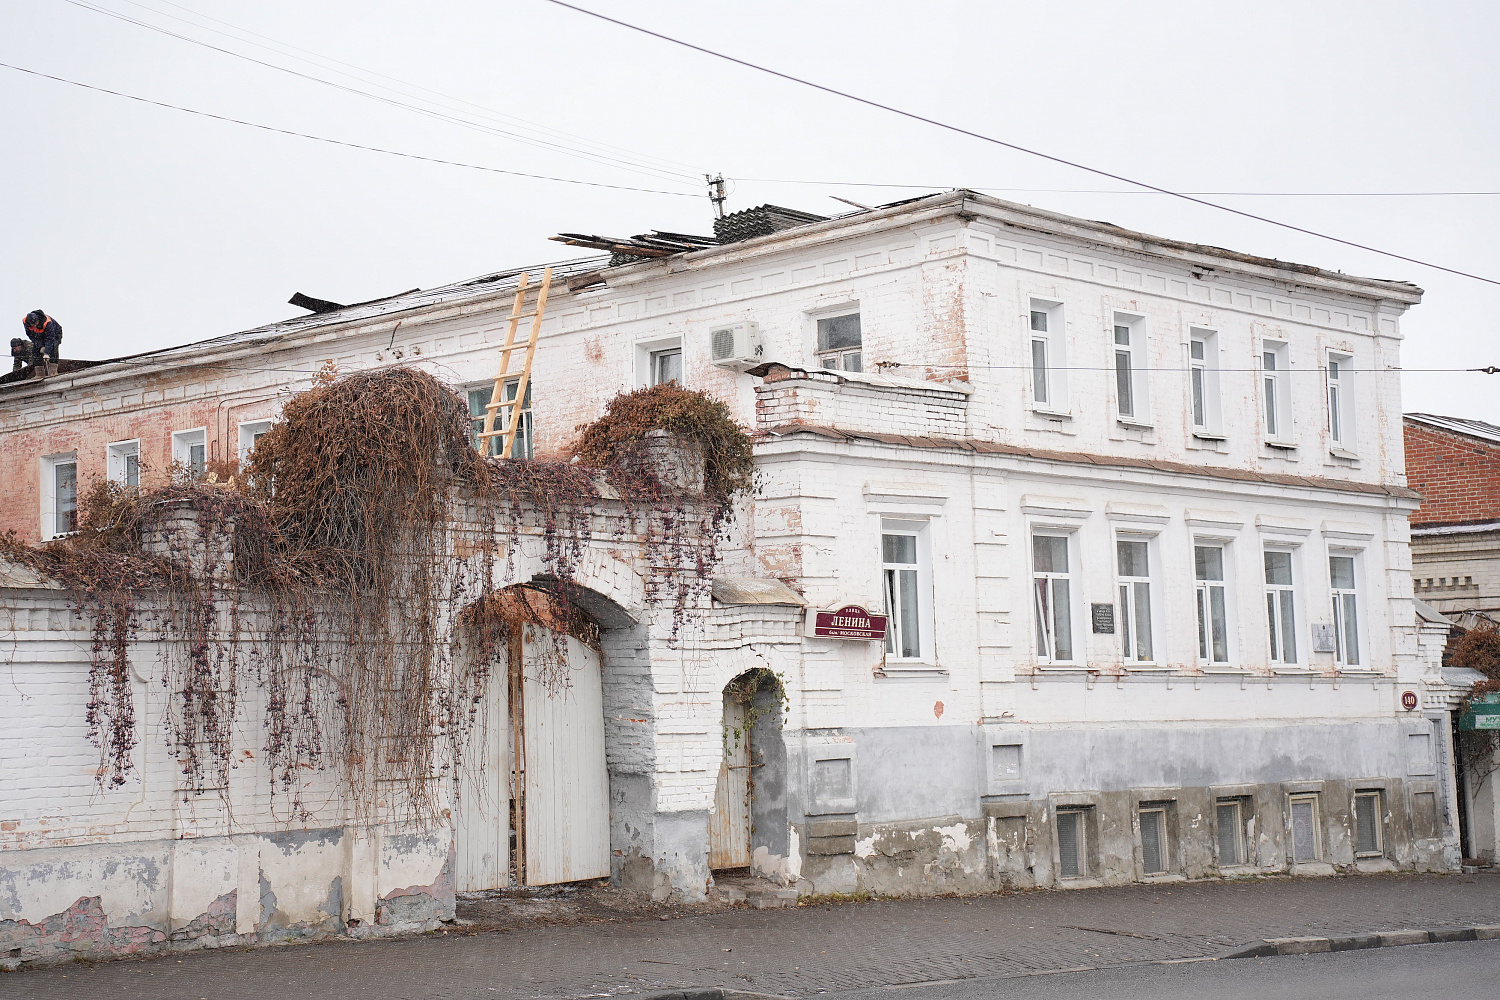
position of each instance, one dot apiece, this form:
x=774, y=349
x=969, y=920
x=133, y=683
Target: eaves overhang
x=968, y=205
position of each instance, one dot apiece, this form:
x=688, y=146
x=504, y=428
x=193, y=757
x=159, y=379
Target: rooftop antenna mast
x=716, y=194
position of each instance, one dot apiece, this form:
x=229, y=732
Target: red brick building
x=1455, y=535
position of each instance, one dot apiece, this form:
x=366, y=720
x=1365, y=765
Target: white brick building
x=1139, y=506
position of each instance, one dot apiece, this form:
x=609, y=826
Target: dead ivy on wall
x=355, y=574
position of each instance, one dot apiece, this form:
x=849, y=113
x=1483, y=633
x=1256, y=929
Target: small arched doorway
x=750, y=791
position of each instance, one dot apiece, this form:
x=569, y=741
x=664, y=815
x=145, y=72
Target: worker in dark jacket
x=21, y=353
x=46, y=338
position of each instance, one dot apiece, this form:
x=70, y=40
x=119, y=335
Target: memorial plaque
x=1103, y=616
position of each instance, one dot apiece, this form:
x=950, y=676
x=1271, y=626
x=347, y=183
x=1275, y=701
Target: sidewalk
x=828, y=947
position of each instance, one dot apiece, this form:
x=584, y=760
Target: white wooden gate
x=481, y=817
x=565, y=780
x=729, y=827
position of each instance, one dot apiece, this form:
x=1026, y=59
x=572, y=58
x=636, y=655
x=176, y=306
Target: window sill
x=1347, y=456
x=1042, y=411
x=1293, y=671
x=1283, y=445
x=1139, y=425
x=1148, y=668
x=1220, y=668
x=910, y=668
x=1210, y=436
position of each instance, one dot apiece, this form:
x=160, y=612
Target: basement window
x=1072, y=851
x=1368, y=842
x=1229, y=834
x=1306, y=842
x=1153, y=820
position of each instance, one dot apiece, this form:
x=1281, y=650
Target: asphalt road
x=1416, y=972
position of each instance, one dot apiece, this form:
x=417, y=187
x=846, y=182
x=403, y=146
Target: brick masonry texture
x=1457, y=475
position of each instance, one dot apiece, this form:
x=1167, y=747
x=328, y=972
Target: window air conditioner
x=736, y=346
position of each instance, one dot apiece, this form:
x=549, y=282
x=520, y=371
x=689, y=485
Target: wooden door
x=481, y=815
x=729, y=826
x=565, y=779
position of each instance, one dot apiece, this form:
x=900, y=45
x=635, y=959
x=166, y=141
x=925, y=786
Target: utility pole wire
x=1013, y=146
x=634, y=166
x=340, y=142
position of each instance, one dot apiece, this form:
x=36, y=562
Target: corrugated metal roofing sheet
x=1459, y=425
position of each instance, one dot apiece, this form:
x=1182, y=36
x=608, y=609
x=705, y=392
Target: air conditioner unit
x=736, y=346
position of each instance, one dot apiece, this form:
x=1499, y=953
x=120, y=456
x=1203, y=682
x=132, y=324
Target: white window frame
x=1276, y=392
x=1379, y=798
x=1339, y=389
x=249, y=430
x=661, y=360
x=1046, y=357
x=182, y=444
x=645, y=352
x=1126, y=590
x=117, y=457
x=1135, y=355
x=1043, y=631
x=846, y=359
x=49, y=467
x=1317, y=827
x=1276, y=606
x=525, y=446
x=1341, y=598
x=1203, y=602
x=921, y=532
x=1205, y=404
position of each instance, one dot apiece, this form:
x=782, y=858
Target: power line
x=1224, y=194
x=438, y=115
x=1491, y=370
x=340, y=142
x=1014, y=146
x=644, y=158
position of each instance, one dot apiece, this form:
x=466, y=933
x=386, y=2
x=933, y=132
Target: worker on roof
x=21, y=353
x=46, y=339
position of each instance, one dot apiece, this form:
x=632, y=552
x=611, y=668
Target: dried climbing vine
x=345, y=581
x=1479, y=649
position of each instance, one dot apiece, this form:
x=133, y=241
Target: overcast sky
x=140, y=227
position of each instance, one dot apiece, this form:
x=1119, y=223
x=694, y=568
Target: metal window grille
x=1153, y=840
x=1070, y=844
x=1367, y=823
x=1227, y=817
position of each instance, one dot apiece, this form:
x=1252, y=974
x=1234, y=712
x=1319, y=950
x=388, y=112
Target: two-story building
x=1135, y=510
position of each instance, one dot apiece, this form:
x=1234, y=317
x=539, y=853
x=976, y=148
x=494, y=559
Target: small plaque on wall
x=1325, y=640
x=1103, y=616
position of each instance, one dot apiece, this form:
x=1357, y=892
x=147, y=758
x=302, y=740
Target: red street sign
x=849, y=622
x=1409, y=700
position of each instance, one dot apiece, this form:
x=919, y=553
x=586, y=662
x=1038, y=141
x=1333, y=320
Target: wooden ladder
x=512, y=421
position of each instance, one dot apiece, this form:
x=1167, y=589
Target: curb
x=708, y=993
x=1354, y=942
